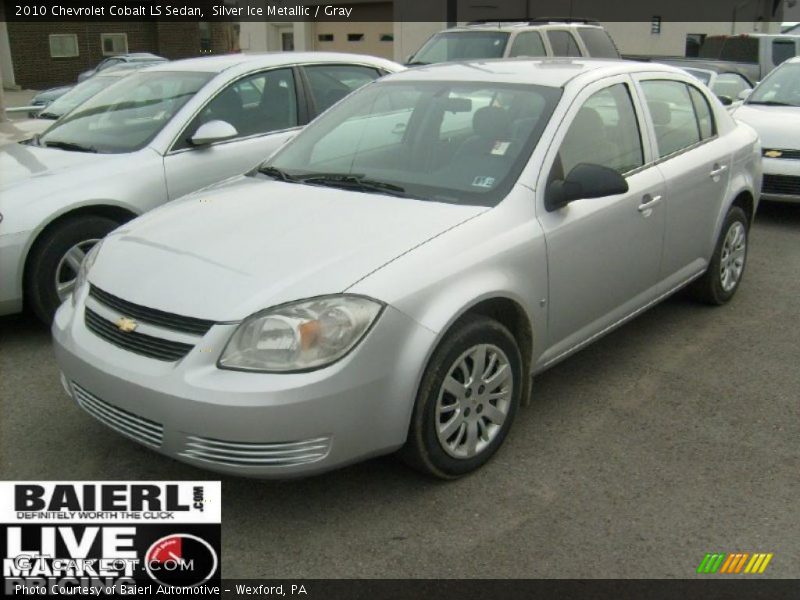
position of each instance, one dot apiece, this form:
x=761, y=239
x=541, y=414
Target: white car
x=773, y=110
x=393, y=276
x=147, y=139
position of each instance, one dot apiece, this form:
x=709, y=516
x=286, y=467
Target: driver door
x=603, y=254
x=263, y=109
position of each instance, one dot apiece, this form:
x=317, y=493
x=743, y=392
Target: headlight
x=83, y=271
x=301, y=335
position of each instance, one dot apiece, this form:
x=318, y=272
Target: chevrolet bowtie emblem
x=773, y=153
x=125, y=324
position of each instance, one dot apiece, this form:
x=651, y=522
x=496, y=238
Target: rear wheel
x=467, y=400
x=725, y=271
x=55, y=259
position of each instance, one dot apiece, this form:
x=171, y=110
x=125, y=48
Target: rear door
x=327, y=84
x=695, y=162
x=603, y=254
x=264, y=109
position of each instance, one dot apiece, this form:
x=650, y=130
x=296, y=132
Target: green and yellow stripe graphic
x=733, y=563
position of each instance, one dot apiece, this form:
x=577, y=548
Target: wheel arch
x=102, y=209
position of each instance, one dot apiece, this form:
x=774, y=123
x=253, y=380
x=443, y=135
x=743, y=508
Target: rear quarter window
x=598, y=43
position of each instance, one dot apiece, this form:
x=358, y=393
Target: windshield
x=462, y=45
x=704, y=76
x=454, y=142
x=77, y=95
x=127, y=115
x=781, y=87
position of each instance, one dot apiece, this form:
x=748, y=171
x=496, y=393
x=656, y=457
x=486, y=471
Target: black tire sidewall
x=47, y=252
x=471, y=332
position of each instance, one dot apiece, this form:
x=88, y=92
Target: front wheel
x=467, y=400
x=720, y=282
x=55, y=259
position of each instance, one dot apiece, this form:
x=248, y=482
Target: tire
x=49, y=257
x=724, y=274
x=444, y=425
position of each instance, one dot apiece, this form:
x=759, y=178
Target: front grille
x=146, y=345
x=795, y=154
x=245, y=454
x=781, y=184
x=190, y=325
x=140, y=429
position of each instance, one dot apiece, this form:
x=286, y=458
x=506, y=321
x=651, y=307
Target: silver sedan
x=393, y=276
x=147, y=139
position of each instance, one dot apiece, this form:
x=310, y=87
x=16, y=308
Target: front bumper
x=250, y=424
x=781, y=179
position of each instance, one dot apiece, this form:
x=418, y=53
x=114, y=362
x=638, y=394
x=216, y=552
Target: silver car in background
x=392, y=277
x=773, y=110
x=151, y=137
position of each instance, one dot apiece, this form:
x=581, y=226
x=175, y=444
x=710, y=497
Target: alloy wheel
x=474, y=401
x=731, y=262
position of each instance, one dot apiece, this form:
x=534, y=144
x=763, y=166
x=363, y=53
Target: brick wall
x=34, y=68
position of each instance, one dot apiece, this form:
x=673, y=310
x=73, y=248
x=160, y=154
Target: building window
x=355, y=37
x=114, y=43
x=655, y=25
x=325, y=37
x=387, y=37
x=63, y=45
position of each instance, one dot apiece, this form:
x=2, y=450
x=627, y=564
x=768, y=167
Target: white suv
x=499, y=39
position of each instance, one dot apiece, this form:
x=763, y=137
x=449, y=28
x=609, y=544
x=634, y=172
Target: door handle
x=648, y=202
x=717, y=171
x=399, y=128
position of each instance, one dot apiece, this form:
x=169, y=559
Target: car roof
x=223, y=62
x=517, y=25
x=552, y=72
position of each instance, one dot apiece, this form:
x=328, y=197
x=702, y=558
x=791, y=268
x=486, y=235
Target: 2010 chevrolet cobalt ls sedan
x=391, y=278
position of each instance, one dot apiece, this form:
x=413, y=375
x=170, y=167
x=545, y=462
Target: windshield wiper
x=70, y=146
x=770, y=103
x=276, y=173
x=417, y=63
x=353, y=181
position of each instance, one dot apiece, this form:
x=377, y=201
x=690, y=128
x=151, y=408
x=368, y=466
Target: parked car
x=773, y=110
x=728, y=82
x=542, y=37
x=120, y=59
x=46, y=97
x=392, y=276
x=762, y=51
x=151, y=137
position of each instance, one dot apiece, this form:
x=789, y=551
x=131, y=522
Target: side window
x=781, y=50
x=598, y=42
x=563, y=43
x=255, y=104
x=705, y=118
x=527, y=43
x=331, y=83
x=729, y=85
x=673, y=115
x=604, y=132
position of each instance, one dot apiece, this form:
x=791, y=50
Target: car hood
x=49, y=168
x=777, y=126
x=229, y=251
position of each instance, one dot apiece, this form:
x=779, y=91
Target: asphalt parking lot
x=677, y=435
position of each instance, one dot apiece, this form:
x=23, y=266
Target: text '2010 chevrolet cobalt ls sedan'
x=391, y=278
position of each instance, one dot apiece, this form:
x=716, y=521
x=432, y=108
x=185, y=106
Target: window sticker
x=483, y=181
x=500, y=148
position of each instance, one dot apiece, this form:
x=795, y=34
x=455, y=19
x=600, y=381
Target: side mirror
x=213, y=131
x=584, y=181
x=744, y=94
x=726, y=100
